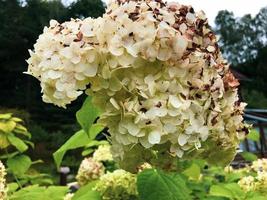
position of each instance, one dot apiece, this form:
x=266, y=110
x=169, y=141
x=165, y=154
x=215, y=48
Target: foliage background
x=22, y=21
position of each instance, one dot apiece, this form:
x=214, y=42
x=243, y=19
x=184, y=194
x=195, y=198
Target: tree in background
x=84, y=8
x=244, y=43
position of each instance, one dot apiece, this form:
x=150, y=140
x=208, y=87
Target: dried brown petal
x=230, y=81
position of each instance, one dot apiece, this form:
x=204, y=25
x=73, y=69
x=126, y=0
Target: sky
x=211, y=7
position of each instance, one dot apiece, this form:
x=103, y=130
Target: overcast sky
x=211, y=7
x=239, y=7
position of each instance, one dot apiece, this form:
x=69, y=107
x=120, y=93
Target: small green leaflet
x=248, y=156
x=253, y=135
x=193, y=171
x=19, y=164
x=17, y=142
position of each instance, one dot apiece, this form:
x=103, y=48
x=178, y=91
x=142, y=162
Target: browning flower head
x=89, y=170
x=156, y=70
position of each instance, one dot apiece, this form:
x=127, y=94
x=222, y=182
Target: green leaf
x=9, y=155
x=193, y=171
x=254, y=195
x=94, y=143
x=217, y=190
x=230, y=190
x=154, y=184
x=36, y=192
x=17, y=142
x=19, y=164
x=95, y=130
x=86, y=193
x=31, y=144
x=87, y=114
x=248, y=156
x=56, y=192
x=42, y=181
x=89, y=148
x=33, y=192
x=79, y=139
x=233, y=177
x=8, y=126
x=86, y=152
x=6, y=116
x=12, y=187
x=4, y=143
x=89, y=194
x=237, y=192
x=19, y=129
x=253, y=135
x=16, y=119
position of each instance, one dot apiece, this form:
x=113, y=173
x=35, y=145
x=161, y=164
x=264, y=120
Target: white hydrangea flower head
x=117, y=185
x=144, y=166
x=262, y=182
x=89, y=170
x=3, y=188
x=63, y=59
x=103, y=154
x=259, y=165
x=247, y=183
x=156, y=71
x=257, y=183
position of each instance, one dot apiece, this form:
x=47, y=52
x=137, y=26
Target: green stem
x=17, y=180
x=15, y=177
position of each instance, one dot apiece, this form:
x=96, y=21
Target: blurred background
x=243, y=40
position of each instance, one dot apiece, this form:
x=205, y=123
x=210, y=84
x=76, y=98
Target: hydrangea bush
x=156, y=72
x=92, y=168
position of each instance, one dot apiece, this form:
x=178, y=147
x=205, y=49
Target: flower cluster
x=257, y=182
x=247, y=183
x=156, y=70
x=251, y=183
x=102, y=154
x=259, y=165
x=3, y=189
x=117, y=185
x=89, y=170
x=63, y=62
